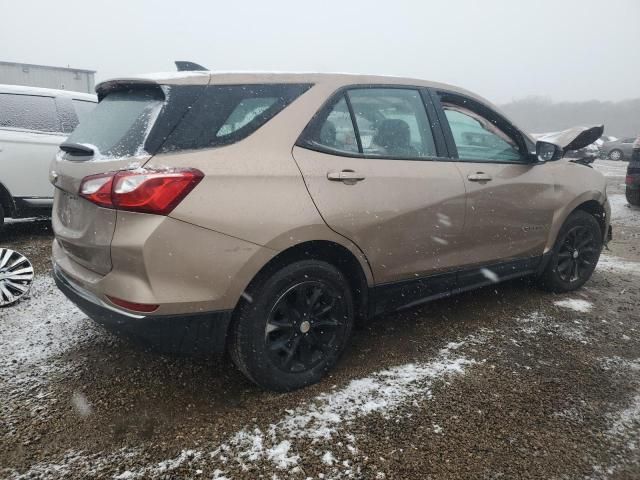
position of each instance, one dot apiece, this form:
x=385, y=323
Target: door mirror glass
x=547, y=152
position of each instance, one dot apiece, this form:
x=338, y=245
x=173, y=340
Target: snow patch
x=622, y=212
x=617, y=264
x=575, y=304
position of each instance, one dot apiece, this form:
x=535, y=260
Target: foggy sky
x=564, y=49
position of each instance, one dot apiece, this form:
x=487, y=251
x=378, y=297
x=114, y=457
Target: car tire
x=616, y=155
x=1, y=216
x=633, y=196
x=575, y=254
x=292, y=326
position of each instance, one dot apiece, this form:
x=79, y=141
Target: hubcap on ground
x=304, y=326
x=578, y=254
x=16, y=276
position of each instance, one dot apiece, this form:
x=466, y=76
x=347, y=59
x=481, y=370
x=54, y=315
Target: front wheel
x=575, y=254
x=295, y=326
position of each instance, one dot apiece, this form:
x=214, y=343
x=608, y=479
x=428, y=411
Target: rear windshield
x=119, y=124
x=226, y=114
x=83, y=108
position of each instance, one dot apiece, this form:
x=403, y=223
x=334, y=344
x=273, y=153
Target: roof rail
x=184, y=66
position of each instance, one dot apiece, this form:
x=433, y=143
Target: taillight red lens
x=136, y=307
x=146, y=191
x=97, y=189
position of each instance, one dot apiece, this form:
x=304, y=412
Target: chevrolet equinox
x=265, y=214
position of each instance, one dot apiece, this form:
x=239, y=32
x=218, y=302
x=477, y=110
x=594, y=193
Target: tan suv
x=266, y=213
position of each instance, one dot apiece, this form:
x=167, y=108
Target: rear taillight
x=146, y=191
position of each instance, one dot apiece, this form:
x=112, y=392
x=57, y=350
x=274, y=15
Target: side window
x=478, y=139
x=226, y=114
x=333, y=130
x=28, y=112
x=244, y=113
x=392, y=122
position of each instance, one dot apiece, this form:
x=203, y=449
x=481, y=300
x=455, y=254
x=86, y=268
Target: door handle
x=480, y=177
x=346, y=176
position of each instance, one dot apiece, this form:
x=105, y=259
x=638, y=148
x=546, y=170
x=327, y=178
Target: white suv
x=33, y=122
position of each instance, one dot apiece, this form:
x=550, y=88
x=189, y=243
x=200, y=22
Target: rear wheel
x=633, y=196
x=616, y=154
x=575, y=254
x=295, y=327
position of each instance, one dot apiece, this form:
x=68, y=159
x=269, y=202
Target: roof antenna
x=184, y=66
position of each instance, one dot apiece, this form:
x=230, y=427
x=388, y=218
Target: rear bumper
x=200, y=334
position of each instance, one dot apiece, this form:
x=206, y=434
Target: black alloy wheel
x=575, y=254
x=303, y=326
x=578, y=254
x=293, y=325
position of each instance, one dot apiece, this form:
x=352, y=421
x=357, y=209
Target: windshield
x=119, y=124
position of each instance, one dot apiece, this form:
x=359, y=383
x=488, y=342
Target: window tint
x=477, y=138
x=244, y=113
x=28, y=112
x=83, y=108
x=118, y=125
x=225, y=114
x=628, y=140
x=335, y=131
x=392, y=122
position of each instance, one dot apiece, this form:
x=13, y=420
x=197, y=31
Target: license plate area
x=70, y=210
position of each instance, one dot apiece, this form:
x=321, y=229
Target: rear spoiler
x=186, y=66
x=573, y=138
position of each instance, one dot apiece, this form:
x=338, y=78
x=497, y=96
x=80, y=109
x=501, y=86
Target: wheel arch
x=589, y=203
x=6, y=200
x=331, y=252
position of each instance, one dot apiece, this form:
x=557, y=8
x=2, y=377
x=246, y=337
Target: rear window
x=119, y=124
x=226, y=114
x=28, y=112
x=83, y=108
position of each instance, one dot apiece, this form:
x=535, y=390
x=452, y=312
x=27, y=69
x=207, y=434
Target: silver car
x=618, y=149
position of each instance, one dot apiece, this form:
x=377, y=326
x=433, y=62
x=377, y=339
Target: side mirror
x=547, y=152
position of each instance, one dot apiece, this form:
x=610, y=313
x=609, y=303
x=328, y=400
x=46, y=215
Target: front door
x=510, y=199
x=370, y=163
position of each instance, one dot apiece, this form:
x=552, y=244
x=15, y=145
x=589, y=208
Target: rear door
x=370, y=159
x=30, y=133
x=510, y=199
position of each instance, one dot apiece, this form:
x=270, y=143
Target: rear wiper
x=76, y=149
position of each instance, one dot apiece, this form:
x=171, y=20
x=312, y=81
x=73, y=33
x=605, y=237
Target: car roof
x=47, y=92
x=335, y=80
x=240, y=77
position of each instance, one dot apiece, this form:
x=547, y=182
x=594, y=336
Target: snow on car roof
x=49, y=92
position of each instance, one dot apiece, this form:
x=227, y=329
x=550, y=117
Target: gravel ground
x=504, y=382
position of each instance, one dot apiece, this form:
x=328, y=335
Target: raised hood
x=573, y=138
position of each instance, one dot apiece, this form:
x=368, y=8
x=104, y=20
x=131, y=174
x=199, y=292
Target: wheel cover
x=16, y=276
x=305, y=325
x=577, y=255
x=615, y=155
